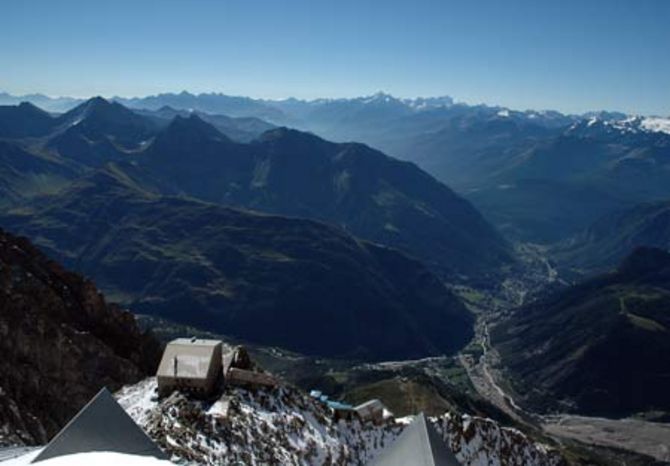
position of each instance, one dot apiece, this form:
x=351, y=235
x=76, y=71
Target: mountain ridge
x=269, y=279
x=571, y=337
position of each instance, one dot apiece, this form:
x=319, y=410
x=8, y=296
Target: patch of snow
x=503, y=113
x=656, y=124
x=139, y=400
x=404, y=420
x=219, y=408
x=77, y=121
x=21, y=460
x=92, y=458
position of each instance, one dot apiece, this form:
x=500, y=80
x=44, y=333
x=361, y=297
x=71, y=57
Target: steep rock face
x=60, y=343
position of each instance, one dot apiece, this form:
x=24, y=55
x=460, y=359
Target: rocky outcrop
x=60, y=343
x=481, y=441
x=285, y=426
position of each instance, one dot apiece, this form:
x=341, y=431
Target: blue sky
x=567, y=55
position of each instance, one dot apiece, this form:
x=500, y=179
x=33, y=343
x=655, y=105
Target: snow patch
x=656, y=124
x=89, y=459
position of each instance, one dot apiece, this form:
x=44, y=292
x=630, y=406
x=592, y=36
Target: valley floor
x=649, y=438
x=639, y=436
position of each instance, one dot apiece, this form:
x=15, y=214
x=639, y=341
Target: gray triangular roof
x=418, y=445
x=101, y=425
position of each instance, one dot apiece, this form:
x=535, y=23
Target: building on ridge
x=190, y=364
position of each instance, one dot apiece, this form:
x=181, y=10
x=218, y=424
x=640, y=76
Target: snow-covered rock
x=483, y=442
x=656, y=124
x=285, y=426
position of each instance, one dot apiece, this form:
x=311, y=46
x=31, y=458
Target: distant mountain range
x=600, y=347
x=539, y=176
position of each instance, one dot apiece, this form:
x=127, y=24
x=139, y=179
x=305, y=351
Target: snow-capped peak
x=656, y=124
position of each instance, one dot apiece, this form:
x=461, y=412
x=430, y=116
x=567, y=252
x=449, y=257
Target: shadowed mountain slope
x=294, y=283
x=351, y=185
x=601, y=347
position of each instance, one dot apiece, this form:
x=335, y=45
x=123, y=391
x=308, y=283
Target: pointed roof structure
x=101, y=425
x=418, y=445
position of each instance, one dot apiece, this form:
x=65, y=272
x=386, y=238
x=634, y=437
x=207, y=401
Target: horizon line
x=351, y=97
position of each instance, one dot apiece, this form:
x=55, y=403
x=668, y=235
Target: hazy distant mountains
x=49, y=104
x=609, y=239
x=539, y=176
x=600, y=347
x=241, y=129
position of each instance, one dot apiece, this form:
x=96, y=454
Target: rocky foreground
x=60, y=343
x=285, y=426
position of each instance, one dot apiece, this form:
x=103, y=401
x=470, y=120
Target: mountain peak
x=290, y=135
x=93, y=106
x=380, y=97
x=32, y=109
x=26, y=104
x=192, y=126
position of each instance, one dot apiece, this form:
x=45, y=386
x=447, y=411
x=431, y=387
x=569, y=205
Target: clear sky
x=570, y=55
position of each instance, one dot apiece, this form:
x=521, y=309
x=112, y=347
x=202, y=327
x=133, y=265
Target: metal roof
x=195, y=342
x=187, y=358
x=339, y=406
x=101, y=425
x=418, y=445
x=370, y=404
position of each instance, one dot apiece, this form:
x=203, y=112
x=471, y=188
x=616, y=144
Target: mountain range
x=208, y=212
x=539, y=176
x=151, y=211
x=283, y=171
